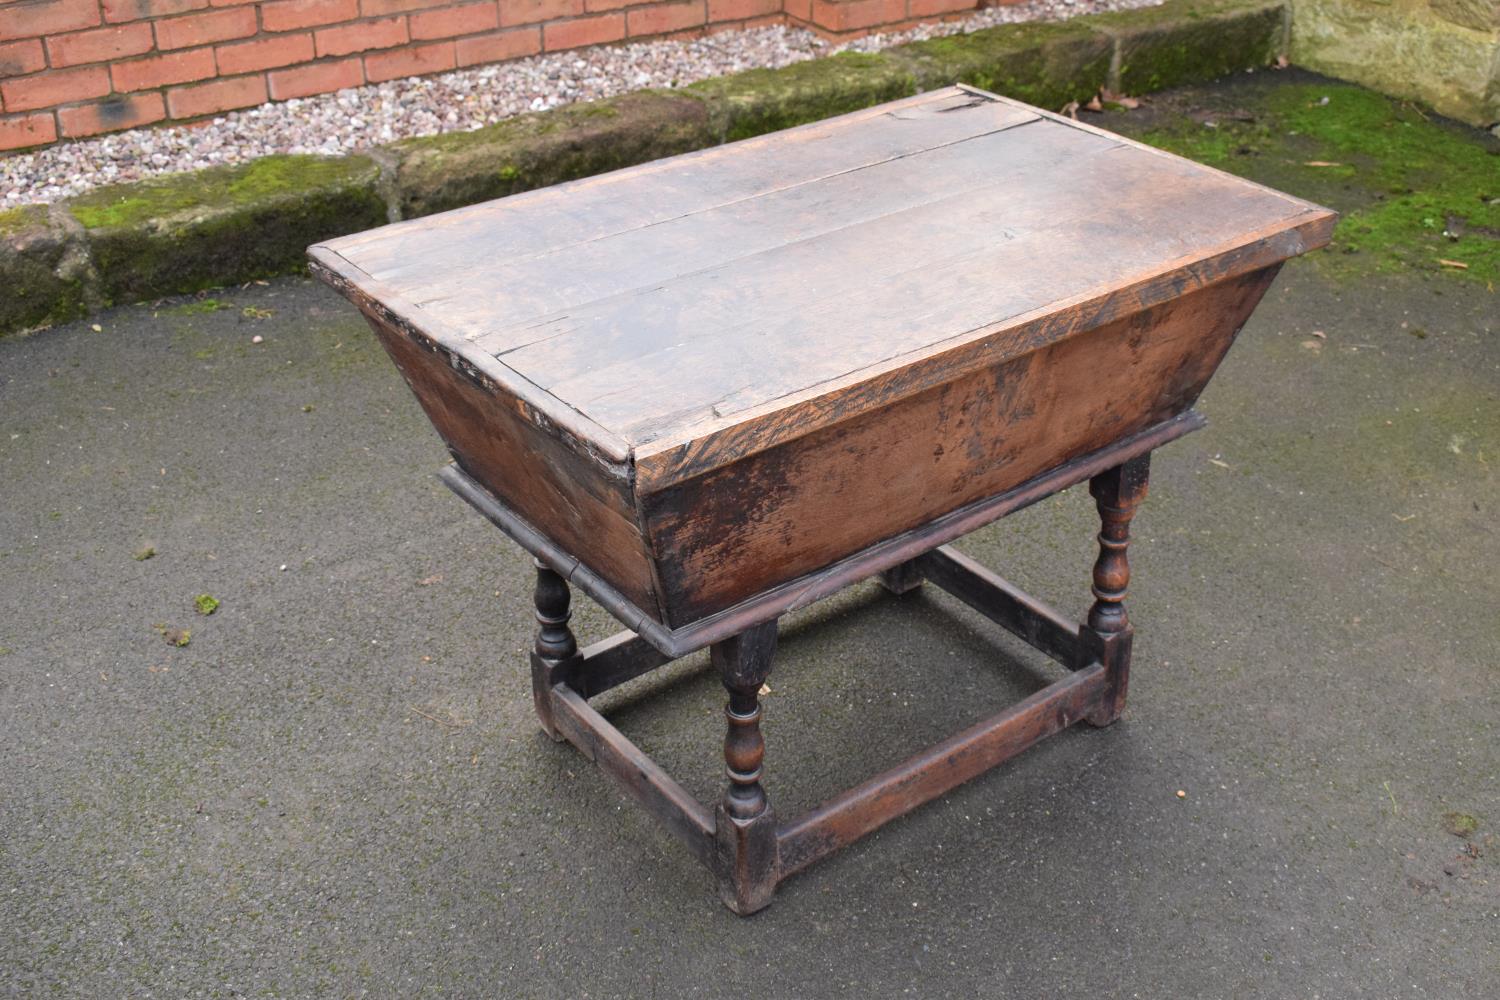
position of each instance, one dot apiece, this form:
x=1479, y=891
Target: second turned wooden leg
x=556, y=651
x=1117, y=493
x=745, y=824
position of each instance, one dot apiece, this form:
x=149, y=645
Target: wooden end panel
x=567, y=496
x=730, y=533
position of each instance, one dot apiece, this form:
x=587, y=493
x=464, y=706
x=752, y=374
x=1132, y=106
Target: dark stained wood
x=611, y=662
x=1004, y=604
x=1117, y=493
x=565, y=494
x=790, y=510
x=744, y=821
x=938, y=770
x=902, y=578
x=813, y=587
x=554, y=657
x=717, y=388
x=636, y=773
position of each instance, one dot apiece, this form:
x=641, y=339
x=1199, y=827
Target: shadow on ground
x=336, y=787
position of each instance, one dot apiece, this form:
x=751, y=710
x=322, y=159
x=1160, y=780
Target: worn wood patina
x=715, y=388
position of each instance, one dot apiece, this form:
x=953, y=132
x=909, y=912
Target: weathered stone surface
x=41, y=282
x=1481, y=15
x=436, y=173
x=1043, y=64
x=1406, y=52
x=1184, y=41
x=763, y=100
x=213, y=227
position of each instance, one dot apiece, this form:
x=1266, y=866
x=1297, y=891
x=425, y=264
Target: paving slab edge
x=227, y=225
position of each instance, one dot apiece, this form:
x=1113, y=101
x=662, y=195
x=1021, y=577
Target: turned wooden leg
x=745, y=824
x=902, y=577
x=1118, y=493
x=556, y=652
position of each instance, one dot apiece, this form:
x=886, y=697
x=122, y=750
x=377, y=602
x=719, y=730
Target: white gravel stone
x=357, y=119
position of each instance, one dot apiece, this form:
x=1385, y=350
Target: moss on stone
x=764, y=100
x=1414, y=191
x=38, y=287
x=436, y=173
x=184, y=232
x=1043, y=64
x=1189, y=41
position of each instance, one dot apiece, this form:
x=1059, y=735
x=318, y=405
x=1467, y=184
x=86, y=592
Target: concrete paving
x=336, y=787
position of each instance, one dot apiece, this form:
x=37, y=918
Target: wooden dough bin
x=712, y=389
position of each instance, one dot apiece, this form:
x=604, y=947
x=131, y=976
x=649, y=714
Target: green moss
x=1043, y=64
x=198, y=307
x=270, y=177
x=39, y=284
x=1397, y=175
x=15, y=221
x=764, y=100
x=1460, y=824
x=436, y=173
x=184, y=232
x=1190, y=41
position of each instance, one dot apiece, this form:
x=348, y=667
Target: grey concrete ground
x=337, y=788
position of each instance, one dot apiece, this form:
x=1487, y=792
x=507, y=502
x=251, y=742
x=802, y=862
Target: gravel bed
x=360, y=118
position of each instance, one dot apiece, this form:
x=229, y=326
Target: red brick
x=935, y=8
x=851, y=15
x=595, y=6
x=111, y=115
x=374, y=8
x=289, y=15
x=465, y=19
x=319, y=78
x=35, y=18
x=229, y=3
x=362, y=35
x=664, y=17
x=265, y=53
x=201, y=29
x=59, y=86
x=157, y=71
x=135, y=10
x=20, y=131
x=20, y=58
x=215, y=96
x=800, y=9
x=501, y=45
x=514, y=12
x=740, y=10
x=583, y=31
x=100, y=44
x=414, y=61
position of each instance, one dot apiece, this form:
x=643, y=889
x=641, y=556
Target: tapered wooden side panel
x=733, y=532
x=569, y=498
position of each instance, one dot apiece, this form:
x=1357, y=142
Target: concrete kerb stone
x=1188, y=41
x=225, y=225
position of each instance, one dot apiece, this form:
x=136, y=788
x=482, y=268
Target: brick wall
x=75, y=68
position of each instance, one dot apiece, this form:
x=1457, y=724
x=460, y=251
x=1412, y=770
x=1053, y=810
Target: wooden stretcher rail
x=937, y=770
x=611, y=662
x=638, y=774
x=1002, y=603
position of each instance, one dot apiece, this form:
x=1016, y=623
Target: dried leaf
x=1281, y=62
x=428, y=581
x=1093, y=105
x=1321, y=163
x=1070, y=109
x=1454, y=263
x=177, y=636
